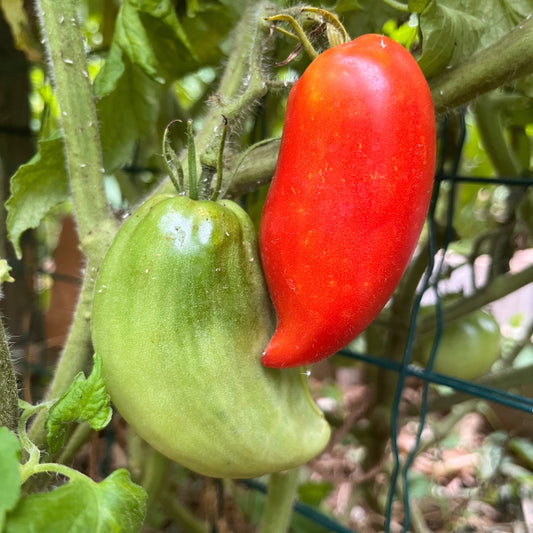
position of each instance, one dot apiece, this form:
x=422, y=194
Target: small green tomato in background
x=467, y=349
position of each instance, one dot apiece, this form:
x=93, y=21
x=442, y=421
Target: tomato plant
x=89, y=146
x=349, y=195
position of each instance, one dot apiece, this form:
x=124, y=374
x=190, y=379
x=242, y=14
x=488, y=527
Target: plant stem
x=492, y=136
x=8, y=385
x=180, y=515
x=156, y=469
x=96, y=226
x=299, y=31
x=76, y=353
x=63, y=40
x=498, y=288
x=506, y=60
x=244, y=69
x=251, y=173
x=395, y=4
x=43, y=468
x=280, y=497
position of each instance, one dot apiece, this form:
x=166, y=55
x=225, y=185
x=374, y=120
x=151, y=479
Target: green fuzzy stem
x=156, y=469
x=191, y=153
x=508, y=59
x=280, y=497
x=220, y=161
x=244, y=66
x=76, y=354
x=244, y=63
x=8, y=385
x=96, y=226
x=68, y=65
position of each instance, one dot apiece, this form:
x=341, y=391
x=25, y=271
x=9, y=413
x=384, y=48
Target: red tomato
x=349, y=195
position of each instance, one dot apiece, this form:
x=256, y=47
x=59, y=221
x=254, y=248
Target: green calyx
x=175, y=168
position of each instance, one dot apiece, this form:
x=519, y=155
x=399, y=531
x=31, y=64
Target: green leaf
x=150, y=34
x=128, y=107
x=5, y=270
x=82, y=506
x=9, y=472
x=36, y=188
x=86, y=400
x=449, y=36
x=453, y=30
x=209, y=27
x=151, y=47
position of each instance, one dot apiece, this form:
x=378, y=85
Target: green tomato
x=467, y=349
x=181, y=316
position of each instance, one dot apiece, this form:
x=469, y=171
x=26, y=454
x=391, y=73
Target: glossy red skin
x=348, y=198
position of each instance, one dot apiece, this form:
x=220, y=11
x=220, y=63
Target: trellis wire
x=509, y=399
x=427, y=375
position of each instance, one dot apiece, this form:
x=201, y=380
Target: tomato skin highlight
x=348, y=198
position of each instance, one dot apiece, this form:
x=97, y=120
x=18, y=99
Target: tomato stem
x=280, y=496
x=83, y=157
x=172, y=162
x=300, y=33
x=79, y=124
x=220, y=166
x=191, y=152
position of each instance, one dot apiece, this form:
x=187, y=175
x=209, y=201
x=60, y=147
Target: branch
x=244, y=69
x=280, y=498
x=506, y=60
x=68, y=65
x=8, y=385
x=498, y=288
x=76, y=354
x=96, y=226
x=256, y=168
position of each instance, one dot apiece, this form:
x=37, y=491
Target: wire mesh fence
x=399, y=486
